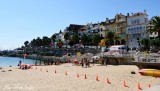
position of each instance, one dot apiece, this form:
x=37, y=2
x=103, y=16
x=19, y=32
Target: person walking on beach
x=82, y=62
x=20, y=62
x=85, y=62
x=36, y=63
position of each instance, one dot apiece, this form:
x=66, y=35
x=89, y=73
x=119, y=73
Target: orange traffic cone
x=77, y=75
x=66, y=73
x=46, y=70
x=149, y=85
x=97, y=78
x=55, y=71
x=139, y=86
x=108, y=81
x=124, y=84
x=85, y=77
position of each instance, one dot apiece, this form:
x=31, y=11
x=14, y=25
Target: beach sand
x=37, y=80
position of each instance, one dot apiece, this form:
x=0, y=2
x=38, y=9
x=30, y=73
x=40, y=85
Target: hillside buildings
x=129, y=28
x=136, y=26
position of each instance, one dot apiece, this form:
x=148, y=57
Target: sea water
x=13, y=61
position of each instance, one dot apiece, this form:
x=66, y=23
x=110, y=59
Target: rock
x=133, y=72
x=0, y=67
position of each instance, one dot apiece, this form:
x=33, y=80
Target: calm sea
x=13, y=61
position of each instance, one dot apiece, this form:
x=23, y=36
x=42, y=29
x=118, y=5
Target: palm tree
x=66, y=37
x=84, y=39
x=154, y=25
x=110, y=38
x=145, y=43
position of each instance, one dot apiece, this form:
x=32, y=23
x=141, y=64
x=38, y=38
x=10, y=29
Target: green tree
x=66, y=37
x=53, y=37
x=145, y=43
x=96, y=39
x=71, y=43
x=153, y=43
x=84, y=39
x=110, y=38
x=26, y=43
x=33, y=43
x=39, y=42
x=154, y=25
x=75, y=38
x=46, y=41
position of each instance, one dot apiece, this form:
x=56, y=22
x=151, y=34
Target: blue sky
x=22, y=20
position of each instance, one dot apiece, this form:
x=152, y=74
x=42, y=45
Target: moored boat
x=150, y=72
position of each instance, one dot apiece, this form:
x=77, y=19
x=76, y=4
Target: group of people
x=49, y=62
x=85, y=62
x=24, y=66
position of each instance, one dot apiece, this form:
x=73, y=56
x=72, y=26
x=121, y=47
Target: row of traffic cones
x=97, y=79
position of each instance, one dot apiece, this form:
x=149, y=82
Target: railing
x=147, y=58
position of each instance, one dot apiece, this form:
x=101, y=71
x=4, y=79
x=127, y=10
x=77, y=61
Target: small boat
x=150, y=72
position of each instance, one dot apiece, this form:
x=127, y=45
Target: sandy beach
x=39, y=80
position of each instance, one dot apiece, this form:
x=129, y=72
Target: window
x=98, y=30
x=118, y=30
x=118, y=25
x=140, y=27
x=138, y=21
x=107, y=27
x=132, y=22
x=124, y=24
x=101, y=29
x=135, y=22
x=122, y=36
x=123, y=30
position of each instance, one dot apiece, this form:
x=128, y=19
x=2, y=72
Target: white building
x=136, y=26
